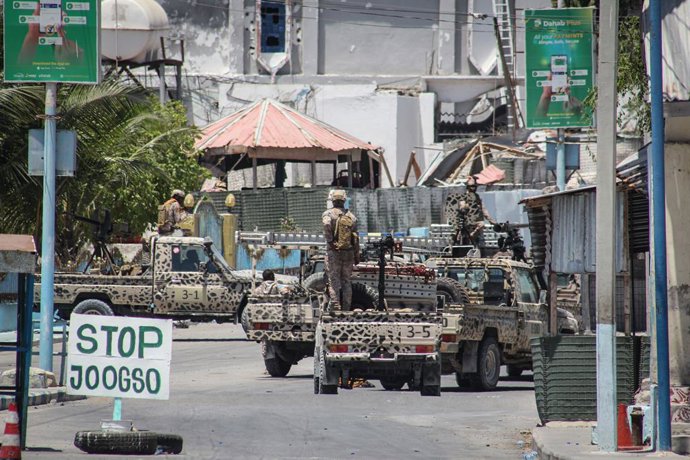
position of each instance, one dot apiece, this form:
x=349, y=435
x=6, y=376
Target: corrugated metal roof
x=270, y=124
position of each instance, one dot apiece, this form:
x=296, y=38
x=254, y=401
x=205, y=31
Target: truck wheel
x=392, y=384
x=514, y=371
x=452, y=290
x=323, y=388
x=364, y=297
x=117, y=442
x=488, y=365
x=93, y=307
x=463, y=380
x=277, y=367
x=244, y=319
x=315, y=281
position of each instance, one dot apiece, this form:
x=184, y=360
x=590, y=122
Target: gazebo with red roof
x=267, y=131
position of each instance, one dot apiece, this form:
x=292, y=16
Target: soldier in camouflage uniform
x=466, y=214
x=174, y=212
x=269, y=286
x=339, y=262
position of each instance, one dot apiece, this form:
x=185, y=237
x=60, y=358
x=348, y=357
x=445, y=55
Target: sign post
x=51, y=42
x=119, y=357
x=559, y=72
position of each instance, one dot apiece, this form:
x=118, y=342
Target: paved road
x=225, y=406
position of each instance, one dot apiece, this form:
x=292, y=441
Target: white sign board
x=119, y=357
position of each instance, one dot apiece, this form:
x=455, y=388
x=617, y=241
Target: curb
x=41, y=396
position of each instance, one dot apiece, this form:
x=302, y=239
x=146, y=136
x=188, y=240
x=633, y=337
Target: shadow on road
x=288, y=377
x=499, y=389
x=41, y=449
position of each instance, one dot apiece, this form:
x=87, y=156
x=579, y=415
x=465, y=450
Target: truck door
x=532, y=315
x=181, y=285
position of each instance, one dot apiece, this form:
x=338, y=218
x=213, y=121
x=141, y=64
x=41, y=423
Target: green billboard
x=52, y=41
x=559, y=71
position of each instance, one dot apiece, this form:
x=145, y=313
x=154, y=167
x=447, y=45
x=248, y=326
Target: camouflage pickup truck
x=502, y=309
x=284, y=325
x=393, y=346
x=187, y=279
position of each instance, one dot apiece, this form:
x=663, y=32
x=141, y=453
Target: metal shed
x=18, y=255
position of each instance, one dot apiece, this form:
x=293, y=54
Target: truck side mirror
x=542, y=296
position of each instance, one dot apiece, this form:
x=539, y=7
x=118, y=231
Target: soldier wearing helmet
x=171, y=212
x=340, y=232
x=466, y=213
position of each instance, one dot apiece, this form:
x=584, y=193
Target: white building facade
x=382, y=70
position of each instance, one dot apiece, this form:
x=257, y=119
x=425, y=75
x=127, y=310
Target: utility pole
x=48, y=232
x=658, y=218
x=606, y=226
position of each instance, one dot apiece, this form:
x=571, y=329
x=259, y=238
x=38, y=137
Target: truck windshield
x=474, y=278
x=187, y=257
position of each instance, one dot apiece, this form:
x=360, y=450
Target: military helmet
x=177, y=193
x=338, y=195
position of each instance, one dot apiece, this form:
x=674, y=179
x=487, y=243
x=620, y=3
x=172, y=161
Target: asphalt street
x=224, y=405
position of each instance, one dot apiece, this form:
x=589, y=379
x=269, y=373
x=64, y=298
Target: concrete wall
x=678, y=243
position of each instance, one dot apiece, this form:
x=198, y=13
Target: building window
x=272, y=27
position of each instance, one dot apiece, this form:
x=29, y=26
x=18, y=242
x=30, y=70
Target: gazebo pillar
x=349, y=171
x=254, y=174
x=313, y=173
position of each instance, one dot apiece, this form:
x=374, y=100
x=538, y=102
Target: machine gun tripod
x=102, y=229
x=385, y=245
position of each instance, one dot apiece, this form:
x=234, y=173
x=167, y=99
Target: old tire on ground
x=244, y=319
x=323, y=388
x=277, y=367
x=93, y=307
x=514, y=371
x=453, y=291
x=315, y=281
x=117, y=442
x=392, y=384
x=169, y=443
x=488, y=365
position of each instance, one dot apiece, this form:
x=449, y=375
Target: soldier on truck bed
x=340, y=232
x=466, y=213
x=171, y=213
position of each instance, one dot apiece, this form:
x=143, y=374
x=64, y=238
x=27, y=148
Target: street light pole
x=48, y=233
x=658, y=217
x=606, y=222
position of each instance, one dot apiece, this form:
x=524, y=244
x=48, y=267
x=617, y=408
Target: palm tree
x=125, y=142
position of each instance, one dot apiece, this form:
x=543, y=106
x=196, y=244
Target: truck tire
x=244, y=319
x=488, y=365
x=363, y=296
x=117, y=442
x=277, y=367
x=392, y=384
x=323, y=388
x=514, y=371
x=169, y=443
x=93, y=307
x=464, y=380
x=452, y=290
x=316, y=282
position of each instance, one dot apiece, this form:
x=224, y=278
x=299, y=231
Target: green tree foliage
x=131, y=153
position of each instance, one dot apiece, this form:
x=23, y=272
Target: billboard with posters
x=559, y=70
x=52, y=41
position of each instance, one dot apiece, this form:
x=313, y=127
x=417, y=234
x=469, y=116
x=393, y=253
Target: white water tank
x=131, y=29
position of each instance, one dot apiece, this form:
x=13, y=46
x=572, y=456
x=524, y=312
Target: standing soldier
x=170, y=213
x=466, y=213
x=340, y=231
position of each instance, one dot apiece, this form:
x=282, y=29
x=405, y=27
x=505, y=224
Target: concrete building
x=385, y=70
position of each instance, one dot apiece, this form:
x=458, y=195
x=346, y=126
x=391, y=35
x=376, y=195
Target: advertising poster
x=559, y=71
x=52, y=41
